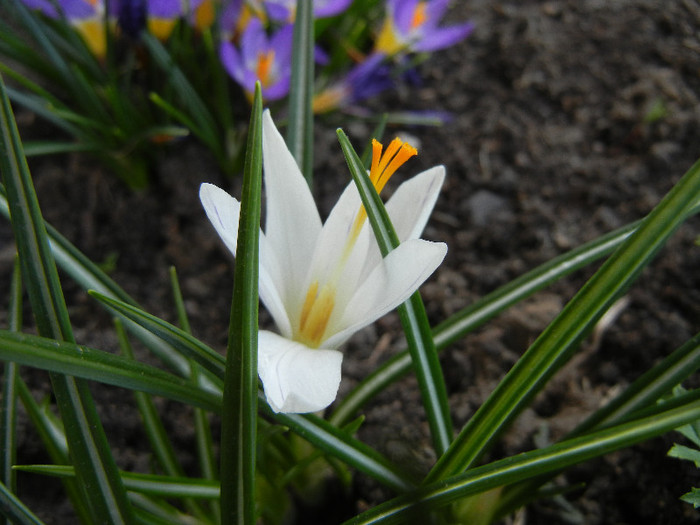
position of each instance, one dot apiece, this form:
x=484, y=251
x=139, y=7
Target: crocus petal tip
x=297, y=379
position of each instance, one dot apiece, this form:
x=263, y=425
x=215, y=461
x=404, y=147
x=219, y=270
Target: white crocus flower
x=323, y=282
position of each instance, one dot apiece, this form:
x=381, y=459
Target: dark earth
x=570, y=119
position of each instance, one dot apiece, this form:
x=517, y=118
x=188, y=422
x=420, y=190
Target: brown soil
x=552, y=144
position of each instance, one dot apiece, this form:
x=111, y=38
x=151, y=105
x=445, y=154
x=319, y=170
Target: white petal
x=270, y=287
x=223, y=211
x=297, y=379
x=332, y=247
x=412, y=203
x=409, y=209
x=292, y=224
x=393, y=281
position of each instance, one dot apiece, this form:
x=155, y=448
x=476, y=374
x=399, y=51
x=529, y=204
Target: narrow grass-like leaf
x=153, y=426
x=41, y=107
x=476, y=314
x=180, y=116
x=205, y=444
x=8, y=414
x=84, y=362
x=52, y=147
x=89, y=448
x=183, y=342
x=300, y=127
x=328, y=438
x=642, y=393
x=12, y=508
x=38, y=33
x=530, y=464
x=239, y=427
x=156, y=511
x=197, y=110
x=53, y=438
x=8, y=418
x=650, y=387
x=179, y=302
x=338, y=443
x=15, y=47
x=560, y=339
x=412, y=313
x=153, y=484
x=91, y=277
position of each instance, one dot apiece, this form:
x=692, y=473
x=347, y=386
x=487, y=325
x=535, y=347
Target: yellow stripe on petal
x=315, y=314
x=204, y=15
x=93, y=32
x=327, y=100
x=161, y=27
x=388, y=41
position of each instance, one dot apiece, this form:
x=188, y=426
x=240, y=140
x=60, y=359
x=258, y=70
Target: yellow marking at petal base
x=204, y=15
x=308, y=303
x=315, y=314
x=93, y=32
x=419, y=15
x=388, y=41
x=161, y=27
x=327, y=100
x=247, y=14
x=265, y=61
x=381, y=170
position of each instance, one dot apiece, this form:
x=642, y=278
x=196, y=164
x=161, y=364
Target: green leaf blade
x=559, y=340
x=300, y=128
x=89, y=448
x=239, y=428
x=530, y=464
x=412, y=313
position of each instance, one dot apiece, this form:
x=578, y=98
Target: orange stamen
x=405, y=152
x=265, y=61
x=381, y=170
x=376, y=155
x=419, y=15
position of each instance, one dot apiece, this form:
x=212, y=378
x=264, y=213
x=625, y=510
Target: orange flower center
x=419, y=15
x=265, y=61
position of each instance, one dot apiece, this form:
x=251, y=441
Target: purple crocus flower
x=260, y=58
x=413, y=25
x=86, y=16
x=162, y=15
x=71, y=9
x=366, y=79
x=158, y=16
x=285, y=10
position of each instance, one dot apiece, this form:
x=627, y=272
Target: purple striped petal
x=443, y=37
x=327, y=8
x=403, y=16
x=166, y=9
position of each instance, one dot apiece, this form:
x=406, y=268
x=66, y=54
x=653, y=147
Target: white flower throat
x=320, y=298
